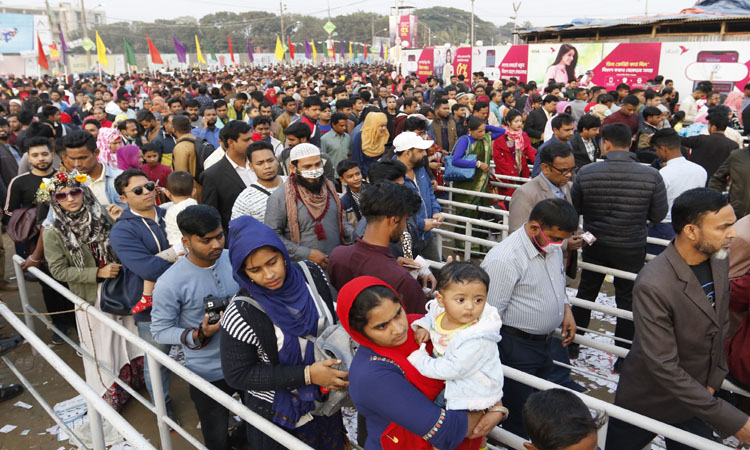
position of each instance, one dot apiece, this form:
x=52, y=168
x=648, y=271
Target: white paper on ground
x=25, y=432
x=7, y=428
x=22, y=404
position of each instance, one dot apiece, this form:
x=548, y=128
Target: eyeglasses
x=73, y=193
x=138, y=190
x=570, y=171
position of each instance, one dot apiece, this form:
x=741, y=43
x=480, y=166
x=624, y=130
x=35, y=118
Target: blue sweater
x=136, y=249
x=383, y=395
x=178, y=305
x=423, y=186
x=538, y=162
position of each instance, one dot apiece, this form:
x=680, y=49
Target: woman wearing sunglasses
x=78, y=252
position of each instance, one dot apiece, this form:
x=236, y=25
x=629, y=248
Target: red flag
x=155, y=55
x=231, y=52
x=42, y=58
x=291, y=48
x=365, y=47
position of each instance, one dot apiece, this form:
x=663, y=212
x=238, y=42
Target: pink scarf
x=518, y=145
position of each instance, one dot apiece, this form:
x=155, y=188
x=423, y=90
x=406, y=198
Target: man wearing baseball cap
x=306, y=213
x=411, y=150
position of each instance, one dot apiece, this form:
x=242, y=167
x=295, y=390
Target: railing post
x=154, y=371
x=95, y=424
x=506, y=222
x=601, y=434
x=467, y=244
x=24, y=295
x=440, y=246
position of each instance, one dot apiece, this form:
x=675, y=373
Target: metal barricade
x=155, y=360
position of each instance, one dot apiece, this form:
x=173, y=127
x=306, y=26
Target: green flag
x=355, y=51
x=211, y=52
x=129, y=54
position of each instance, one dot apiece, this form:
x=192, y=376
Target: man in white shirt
x=690, y=103
x=679, y=175
x=252, y=201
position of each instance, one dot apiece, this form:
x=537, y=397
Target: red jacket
x=504, y=161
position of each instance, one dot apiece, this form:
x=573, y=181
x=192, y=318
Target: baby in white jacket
x=464, y=332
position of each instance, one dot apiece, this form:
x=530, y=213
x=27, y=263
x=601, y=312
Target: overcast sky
x=538, y=12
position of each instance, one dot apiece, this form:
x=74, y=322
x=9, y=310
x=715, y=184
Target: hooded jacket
x=136, y=240
x=471, y=363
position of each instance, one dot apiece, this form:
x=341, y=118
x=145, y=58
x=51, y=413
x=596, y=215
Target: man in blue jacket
x=137, y=236
x=410, y=150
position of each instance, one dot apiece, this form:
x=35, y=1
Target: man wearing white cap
x=307, y=212
x=411, y=149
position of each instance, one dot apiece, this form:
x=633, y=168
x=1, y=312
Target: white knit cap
x=303, y=151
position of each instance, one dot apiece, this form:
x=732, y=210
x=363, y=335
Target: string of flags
x=310, y=50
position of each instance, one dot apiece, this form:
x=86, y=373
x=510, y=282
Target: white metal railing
x=155, y=359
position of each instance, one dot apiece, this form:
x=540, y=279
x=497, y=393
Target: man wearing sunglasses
x=136, y=237
x=617, y=197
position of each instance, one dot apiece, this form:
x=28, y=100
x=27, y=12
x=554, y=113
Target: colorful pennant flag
x=364, y=47
x=382, y=54
x=351, y=55
x=63, y=46
x=231, y=51
x=155, y=55
x=87, y=43
x=386, y=51
x=250, y=51
x=201, y=59
x=291, y=48
x=54, y=53
x=308, y=50
x=101, y=51
x=129, y=53
x=279, y=53
x=41, y=58
x=314, y=52
x=180, y=50
x=212, y=52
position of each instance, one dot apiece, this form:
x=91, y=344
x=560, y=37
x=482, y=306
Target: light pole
x=472, y=23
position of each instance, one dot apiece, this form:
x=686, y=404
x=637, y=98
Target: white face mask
x=311, y=174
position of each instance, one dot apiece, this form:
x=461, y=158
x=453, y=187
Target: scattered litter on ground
x=22, y=404
x=25, y=432
x=7, y=429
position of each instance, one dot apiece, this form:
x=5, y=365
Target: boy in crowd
x=154, y=170
x=351, y=178
x=180, y=191
x=557, y=419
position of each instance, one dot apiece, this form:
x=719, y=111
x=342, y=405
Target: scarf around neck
x=290, y=307
x=86, y=228
x=518, y=145
x=317, y=207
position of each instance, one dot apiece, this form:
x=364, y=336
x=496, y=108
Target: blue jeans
x=144, y=331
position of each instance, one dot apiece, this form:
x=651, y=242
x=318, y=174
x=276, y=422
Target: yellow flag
x=101, y=50
x=198, y=49
x=350, y=50
x=279, y=53
x=386, y=51
x=315, y=52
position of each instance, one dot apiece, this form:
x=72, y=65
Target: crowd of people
x=239, y=214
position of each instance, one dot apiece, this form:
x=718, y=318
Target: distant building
x=67, y=14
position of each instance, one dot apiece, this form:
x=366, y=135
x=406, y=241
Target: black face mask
x=314, y=186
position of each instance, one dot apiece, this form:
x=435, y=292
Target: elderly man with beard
x=307, y=212
x=681, y=317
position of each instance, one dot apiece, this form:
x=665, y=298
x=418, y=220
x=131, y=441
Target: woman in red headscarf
x=396, y=399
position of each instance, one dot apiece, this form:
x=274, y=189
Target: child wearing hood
x=464, y=332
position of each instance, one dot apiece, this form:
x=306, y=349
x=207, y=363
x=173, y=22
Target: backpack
x=332, y=342
x=203, y=150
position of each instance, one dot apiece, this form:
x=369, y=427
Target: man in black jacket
x=538, y=118
x=223, y=181
x=616, y=198
x=584, y=142
x=711, y=151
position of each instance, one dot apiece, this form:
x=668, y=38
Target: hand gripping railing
x=155, y=358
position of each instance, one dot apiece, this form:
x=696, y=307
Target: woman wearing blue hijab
x=261, y=350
